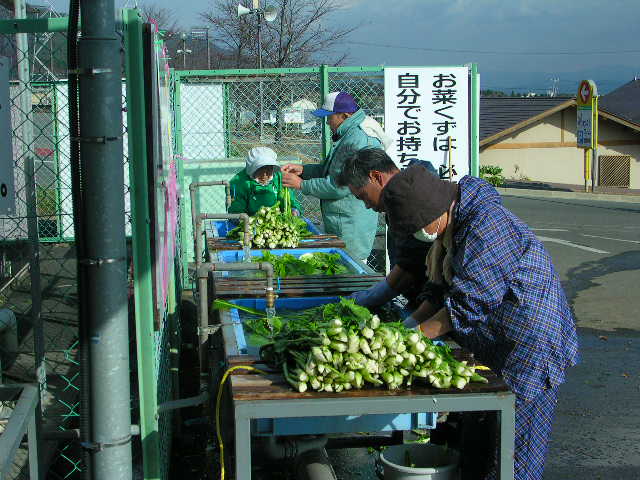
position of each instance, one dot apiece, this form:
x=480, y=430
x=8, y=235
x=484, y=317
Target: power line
x=495, y=52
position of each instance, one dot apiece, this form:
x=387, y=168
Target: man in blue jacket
x=343, y=214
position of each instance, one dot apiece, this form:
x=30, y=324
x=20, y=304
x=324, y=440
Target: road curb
x=598, y=197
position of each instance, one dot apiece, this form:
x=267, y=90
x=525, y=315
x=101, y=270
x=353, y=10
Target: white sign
x=584, y=127
x=427, y=116
x=7, y=191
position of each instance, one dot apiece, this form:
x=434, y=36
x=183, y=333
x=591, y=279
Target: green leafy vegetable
x=340, y=346
x=317, y=263
x=272, y=229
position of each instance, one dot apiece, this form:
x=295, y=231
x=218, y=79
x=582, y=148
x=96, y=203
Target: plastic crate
x=355, y=266
x=220, y=228
x=321, y=425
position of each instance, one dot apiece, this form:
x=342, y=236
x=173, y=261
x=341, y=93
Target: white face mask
x=427, y=237
x=266, y=182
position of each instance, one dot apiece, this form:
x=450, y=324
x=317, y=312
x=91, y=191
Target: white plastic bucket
x=428, y=462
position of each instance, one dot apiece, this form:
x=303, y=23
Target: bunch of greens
x=317, y=263
x=340, y=346
x=272, y=229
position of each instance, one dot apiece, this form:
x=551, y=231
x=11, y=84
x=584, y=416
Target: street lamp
x=184, y=51
x=269, y=14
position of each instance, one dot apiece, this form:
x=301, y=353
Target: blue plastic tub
x=321, y=425
x=219, y=228
x=354, y=266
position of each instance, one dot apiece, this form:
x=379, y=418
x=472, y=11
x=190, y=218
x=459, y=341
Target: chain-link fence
x=221, y=115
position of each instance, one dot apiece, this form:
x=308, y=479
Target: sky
x=518, y=45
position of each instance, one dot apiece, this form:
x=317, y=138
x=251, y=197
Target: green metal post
x=324, y=90
x=475, y=121
x=227, y=135
x=177, y=77
x=141, y=242
x=56, y=159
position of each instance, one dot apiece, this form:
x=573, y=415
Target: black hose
x=77, y=191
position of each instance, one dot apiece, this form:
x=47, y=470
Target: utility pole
x=103, y=259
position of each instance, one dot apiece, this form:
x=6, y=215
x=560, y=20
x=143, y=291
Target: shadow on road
x=582, y=277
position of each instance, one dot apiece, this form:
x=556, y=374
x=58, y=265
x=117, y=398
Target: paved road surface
x=595, y=247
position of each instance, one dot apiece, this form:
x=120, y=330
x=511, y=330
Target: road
x=595, y=247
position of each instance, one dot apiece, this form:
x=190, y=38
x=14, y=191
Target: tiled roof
x=623, y=102
x=499, y=113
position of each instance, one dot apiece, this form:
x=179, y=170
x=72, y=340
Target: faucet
x=202, y=272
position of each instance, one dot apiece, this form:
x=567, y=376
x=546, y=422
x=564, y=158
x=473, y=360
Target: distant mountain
x=607, y=79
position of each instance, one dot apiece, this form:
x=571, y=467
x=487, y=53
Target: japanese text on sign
x=427, y=115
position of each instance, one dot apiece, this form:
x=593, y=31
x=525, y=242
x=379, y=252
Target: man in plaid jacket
x=502, y=297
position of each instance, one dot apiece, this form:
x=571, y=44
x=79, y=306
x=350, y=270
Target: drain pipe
x=309, y=454
x=288, y=448
x=192, y=193
x=104, y=254
x=204, y=330
x=197, y=231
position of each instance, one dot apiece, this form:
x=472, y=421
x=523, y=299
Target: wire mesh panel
x=222, y=117
x=367, y=88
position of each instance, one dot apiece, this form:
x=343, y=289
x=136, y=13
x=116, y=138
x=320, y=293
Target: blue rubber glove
x=375, y=296
x=410, y=322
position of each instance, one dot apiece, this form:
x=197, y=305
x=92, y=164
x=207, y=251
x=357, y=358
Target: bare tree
x=232, y=33
x=164, y=17
x=301, y=34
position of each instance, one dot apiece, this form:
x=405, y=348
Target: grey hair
x=356, y=168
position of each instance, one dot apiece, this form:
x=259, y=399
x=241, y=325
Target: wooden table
x=257, y=396
x=314, y=241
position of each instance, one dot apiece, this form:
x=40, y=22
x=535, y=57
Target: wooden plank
x=317, y=241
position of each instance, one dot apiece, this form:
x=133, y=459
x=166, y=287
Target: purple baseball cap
x=337, y=102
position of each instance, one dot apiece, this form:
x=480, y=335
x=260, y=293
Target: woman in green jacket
x=259, y=184
x=342, y=213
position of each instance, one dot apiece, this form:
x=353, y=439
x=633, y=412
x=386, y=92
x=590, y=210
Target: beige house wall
x=546, y=151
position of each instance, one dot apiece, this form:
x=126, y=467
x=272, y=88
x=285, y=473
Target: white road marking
x=609, y=238
x=550, y=229
x=571, y=244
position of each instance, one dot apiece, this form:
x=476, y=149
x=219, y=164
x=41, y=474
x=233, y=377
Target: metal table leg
x=507, y=438
x=243, y=444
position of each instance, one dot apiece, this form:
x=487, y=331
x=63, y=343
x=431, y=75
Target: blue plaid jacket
x=506, y=302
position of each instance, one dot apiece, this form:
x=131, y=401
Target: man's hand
x=291, y=180
x=437, y=325
x=293, y=168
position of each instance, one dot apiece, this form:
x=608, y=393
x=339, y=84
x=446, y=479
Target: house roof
x=623, y=102
x=501, y=114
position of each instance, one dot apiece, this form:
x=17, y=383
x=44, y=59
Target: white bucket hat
x=259, y=157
